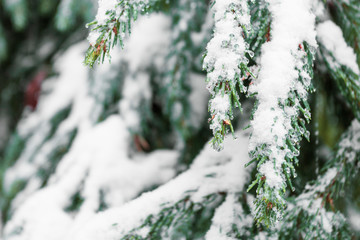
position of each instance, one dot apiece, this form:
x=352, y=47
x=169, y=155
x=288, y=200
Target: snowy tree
x=226, y=119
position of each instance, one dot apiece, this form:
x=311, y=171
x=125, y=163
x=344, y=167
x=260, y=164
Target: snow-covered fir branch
x=340, y=61
x=44, y=136
x=347, y=17
x=163, y=212
x=226, y=64
x=281, y=91
x=313, y=212
x=122, y=151
x=113, y=21
x=338, y=53
x=230, y=220
x=78, y=186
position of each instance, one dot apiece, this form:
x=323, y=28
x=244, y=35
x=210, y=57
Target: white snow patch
x=97, y=162
x=292, y=24
x=332, y=37
x=227, y=166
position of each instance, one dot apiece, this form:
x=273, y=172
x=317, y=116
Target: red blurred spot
x=140, y=143
x=33, y=89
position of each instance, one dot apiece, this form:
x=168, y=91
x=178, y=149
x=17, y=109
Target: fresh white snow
x=331, y=36
x=292, y=24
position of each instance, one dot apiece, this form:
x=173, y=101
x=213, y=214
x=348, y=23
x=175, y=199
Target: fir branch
x=346, y=160
x=340, y=61
x=347, y=15
x=314, y=214
x=231, y=220
x=112, y=23
x=175, y=221
x=260, y=26
x=184, y=206
x=226, y=65
x=282, y=108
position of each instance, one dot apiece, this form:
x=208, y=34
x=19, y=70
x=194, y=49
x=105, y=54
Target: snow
x=120, y=11
x=136, y=92
x=331, y=36
x=311, y=200
x=313, y=206
x=227, y=47
x=85, y=91
x=156, y=31
x=98, y=164
x=141, y=55
x=219, y=107
x=98, y=161
x=275, y=180
x=225, y=52
x=198, y=100
x=318, y=8
x=64, y=92
x=228, y=213
x=292, y=24
x=105, y=6
x=354, y=218
x=352, y=141
x=226, y=165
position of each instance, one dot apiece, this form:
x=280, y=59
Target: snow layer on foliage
x=141, y=55
x=198, y=100
x=36, y=126
x=225, y=52
x=331, y=36
x=111, y=5
x=71, y=88
x=104, y=6
x=63, y=88
x=354, y=218
x=148, y=44
x=220, y=105
x=312, y=190
x=200, y=37
x=318, y=8
x=311, y=200
x=227, y=166
x=85, y=91
x=107, y=6
x=292, y=24
x=97, y=167
x=263, y=235
x=97, y=163
x=227, y=48
x=351, y=142
x=136, y=92
x=229, y=213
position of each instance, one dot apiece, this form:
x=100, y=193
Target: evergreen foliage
x=122, y=149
